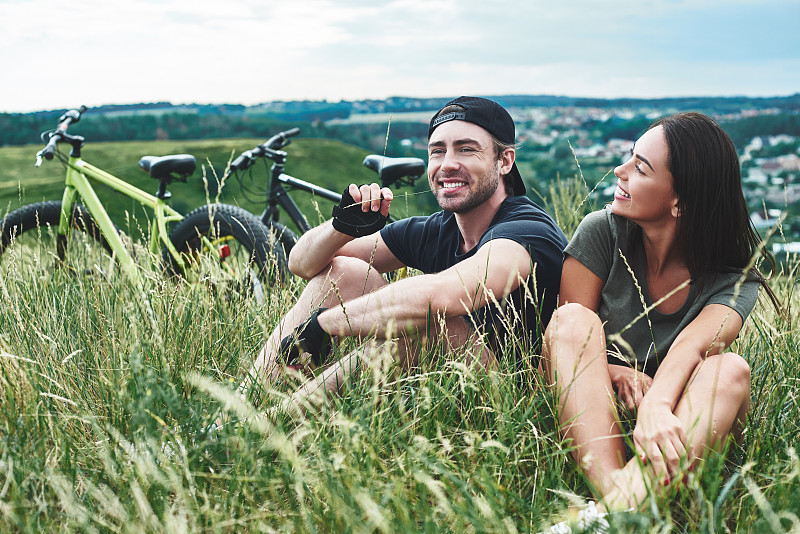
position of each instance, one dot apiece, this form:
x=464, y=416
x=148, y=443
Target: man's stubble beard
x=488, y=184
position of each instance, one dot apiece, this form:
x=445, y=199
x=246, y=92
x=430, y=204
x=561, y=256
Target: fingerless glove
x=349, y=219
x=308, y=337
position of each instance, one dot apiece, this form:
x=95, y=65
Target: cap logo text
x=449, y=117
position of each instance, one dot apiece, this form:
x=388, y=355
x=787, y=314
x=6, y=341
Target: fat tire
x=47, y=214
x=223, y=220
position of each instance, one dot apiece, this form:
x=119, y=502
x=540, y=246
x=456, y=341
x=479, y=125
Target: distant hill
x=328, y=163
x=310, y=110
x=320, y=118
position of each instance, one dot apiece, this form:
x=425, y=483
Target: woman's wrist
x=654, y=402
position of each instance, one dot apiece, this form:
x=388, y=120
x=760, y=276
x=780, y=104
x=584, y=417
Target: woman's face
x=644, y=191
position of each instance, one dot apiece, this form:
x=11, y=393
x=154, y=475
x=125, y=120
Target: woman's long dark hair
x=714, y=226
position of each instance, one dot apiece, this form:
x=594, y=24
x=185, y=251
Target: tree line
x=225, y=122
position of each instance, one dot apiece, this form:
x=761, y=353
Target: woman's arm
x=579, y=285
x=659, y=434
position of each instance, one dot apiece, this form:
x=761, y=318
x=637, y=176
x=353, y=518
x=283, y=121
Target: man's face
x=463, y=170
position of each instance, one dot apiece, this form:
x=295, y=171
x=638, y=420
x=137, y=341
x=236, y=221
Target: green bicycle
x=217, y=243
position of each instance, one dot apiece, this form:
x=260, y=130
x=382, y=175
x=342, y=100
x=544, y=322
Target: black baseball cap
x=490, y=116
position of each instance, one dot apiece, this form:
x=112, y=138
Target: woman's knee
x=574, y=332
x=572, y=322
x=733, y=372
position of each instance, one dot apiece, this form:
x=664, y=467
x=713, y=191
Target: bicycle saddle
x=177, y=167
x=390, y=169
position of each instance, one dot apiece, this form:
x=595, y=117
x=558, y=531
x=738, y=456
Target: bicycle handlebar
x=269, y=149
x=54, y=136
x=282, y=139
x=401, y=171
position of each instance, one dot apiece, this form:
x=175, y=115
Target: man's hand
x=309, y=338
x=362, y=210
x=630, y=384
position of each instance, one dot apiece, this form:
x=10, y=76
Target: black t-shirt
x=430, y=244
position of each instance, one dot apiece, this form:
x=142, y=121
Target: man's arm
x=492, y=273
x=316, y=248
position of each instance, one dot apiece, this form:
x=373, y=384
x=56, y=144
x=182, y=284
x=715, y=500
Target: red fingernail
x=666, y=481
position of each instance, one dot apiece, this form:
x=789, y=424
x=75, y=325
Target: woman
x=677, y=242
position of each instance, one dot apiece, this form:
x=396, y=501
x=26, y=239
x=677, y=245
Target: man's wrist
x=324, y=320
x=308, y=337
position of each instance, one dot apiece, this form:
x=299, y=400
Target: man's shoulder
x=528, y=217
x=417, y=222
x=522, y=208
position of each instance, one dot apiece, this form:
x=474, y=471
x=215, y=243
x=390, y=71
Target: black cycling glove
x=308, y=337
x=349, y=219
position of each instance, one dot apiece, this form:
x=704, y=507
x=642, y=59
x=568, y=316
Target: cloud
x=247, y=51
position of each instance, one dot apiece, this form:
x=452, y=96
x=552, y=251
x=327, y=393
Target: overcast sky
x=61, y=54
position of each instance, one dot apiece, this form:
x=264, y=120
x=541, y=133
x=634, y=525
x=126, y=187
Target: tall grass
x=108, y=396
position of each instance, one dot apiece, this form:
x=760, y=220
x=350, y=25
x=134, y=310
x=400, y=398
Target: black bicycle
x=391, y=172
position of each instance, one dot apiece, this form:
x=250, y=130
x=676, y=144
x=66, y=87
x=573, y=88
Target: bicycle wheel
x=242, y=258
x=29, y=242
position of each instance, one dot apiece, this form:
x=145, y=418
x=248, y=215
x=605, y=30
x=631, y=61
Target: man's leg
x=343, y=280
x=404, y=350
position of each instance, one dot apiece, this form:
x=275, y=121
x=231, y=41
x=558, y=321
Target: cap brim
x=519, y=185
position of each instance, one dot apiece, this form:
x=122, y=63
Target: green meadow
x=109, y=392
x=328, y=163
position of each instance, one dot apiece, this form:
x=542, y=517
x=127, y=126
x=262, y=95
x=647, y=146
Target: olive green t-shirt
x=603, y=243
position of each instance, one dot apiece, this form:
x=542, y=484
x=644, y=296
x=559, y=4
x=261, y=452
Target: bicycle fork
x=78, y=184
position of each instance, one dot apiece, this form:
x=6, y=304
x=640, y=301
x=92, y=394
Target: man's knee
x=344, y=279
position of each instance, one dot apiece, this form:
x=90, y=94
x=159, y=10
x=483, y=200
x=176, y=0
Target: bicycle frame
x=278, y=196
x=79, y=175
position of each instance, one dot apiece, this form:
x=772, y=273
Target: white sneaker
x=589, y=520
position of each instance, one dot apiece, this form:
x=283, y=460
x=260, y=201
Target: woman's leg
x=575, y=362
x=714, y=405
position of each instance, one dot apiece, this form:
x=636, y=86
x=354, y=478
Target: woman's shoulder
x=605, y=221
x=731, y=287
x=731, y=277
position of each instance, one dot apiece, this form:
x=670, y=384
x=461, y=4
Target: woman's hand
x=630, y=384
x=659, y=438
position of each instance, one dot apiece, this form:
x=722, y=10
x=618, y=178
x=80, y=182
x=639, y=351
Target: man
x=491, y=260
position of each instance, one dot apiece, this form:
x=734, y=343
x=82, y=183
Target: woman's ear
x=676, y=211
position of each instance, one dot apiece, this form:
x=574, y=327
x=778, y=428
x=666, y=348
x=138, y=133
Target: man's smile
x=452, y=185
